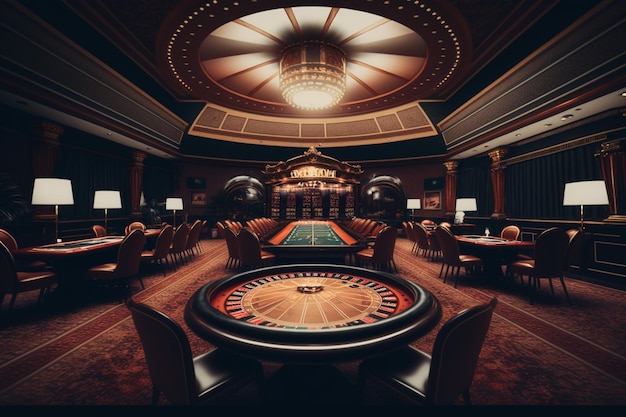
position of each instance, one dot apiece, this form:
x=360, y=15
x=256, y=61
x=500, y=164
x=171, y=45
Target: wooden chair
x=423, y=243
x=160, y=254
x=510, y=232
x=548, y=261
x=99, y=230
x=22, y=264
x=250, y=253
x=14, y=282
x=179, y=244
x=176, y=373
x=126, y=267
x=452, y=256
x=230, y=236
x=442, y=378
x=380, y=256
x=193, y=240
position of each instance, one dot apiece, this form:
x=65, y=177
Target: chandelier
x=312, y=75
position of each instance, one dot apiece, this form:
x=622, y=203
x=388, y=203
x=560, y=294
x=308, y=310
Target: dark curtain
x=160, y=181
x=474, y=181
x=90, y=172
x=534, y=188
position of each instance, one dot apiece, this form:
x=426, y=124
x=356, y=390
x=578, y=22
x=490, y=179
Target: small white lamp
x=53, y=191
x=174, y=203
x=412, y=204
x=107, y=199
x=463, y=205
x=585, y=193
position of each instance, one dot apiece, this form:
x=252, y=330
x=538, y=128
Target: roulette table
x=311, y=313
x=313, y=240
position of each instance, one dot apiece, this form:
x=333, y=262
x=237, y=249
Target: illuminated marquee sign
x=313, y=172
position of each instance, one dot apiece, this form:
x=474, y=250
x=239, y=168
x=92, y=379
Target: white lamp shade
x=173, y=203
x=52, y=191
x=585, y=193
x=107, y=199
x=466, y=204
x=413, y=203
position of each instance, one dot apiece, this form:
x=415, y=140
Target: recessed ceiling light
x=567, y=116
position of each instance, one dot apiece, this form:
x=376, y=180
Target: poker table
x=493, y=250
x=313, y=240
x=311, y=313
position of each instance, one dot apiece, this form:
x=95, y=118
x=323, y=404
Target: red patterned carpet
x=543, y=354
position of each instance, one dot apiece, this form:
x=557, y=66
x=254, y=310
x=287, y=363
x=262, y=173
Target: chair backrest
x=8, y=274
x=384, y=245
x=248, y=247
x=135, y=226
x=449, y=246
x=574, y=247
x=446, y=224
x=99, y=230
x=428, y=223
x=421, y=236
x=167, y=352
x=194, y=234
x=455, y=353
x=163, y=242
x=220, y=229
x=129, y=253
x=179, y=242
x=550, y=252
x=231, y=242
x=8, y=240
x=510, y=232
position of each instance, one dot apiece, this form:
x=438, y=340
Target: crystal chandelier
x=312, y=75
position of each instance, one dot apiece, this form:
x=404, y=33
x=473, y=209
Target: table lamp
x=585, y=193
x=462, y=205
x=53, y=191
x=107, y=199
x=413, y=203
x=174, y=203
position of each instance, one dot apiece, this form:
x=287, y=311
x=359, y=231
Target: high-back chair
x=380, y=255
x=574, y=247
x=22, y=264
x=135, y=226
x=176, y=373
x=230, y=236
x=179, y=244
x=159, y=255
x=127, y=265
x=193, y=240
x=510, y=232
x=445, y=376
x=548, y=261
x=423, y=243
x=250, y=253
x=452, y=257
x=14, y=282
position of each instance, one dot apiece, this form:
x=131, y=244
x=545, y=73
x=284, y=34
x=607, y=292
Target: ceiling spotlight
x=312, y=75
x=567, y=116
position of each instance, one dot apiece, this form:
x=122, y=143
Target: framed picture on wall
x=198, y=199
x=432, y=200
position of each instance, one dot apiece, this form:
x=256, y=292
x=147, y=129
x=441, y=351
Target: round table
x=311, y=313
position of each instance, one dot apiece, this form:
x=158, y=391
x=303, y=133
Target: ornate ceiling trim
x=402, y=123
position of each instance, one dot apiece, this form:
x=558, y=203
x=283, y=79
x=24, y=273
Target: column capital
x=451, y=166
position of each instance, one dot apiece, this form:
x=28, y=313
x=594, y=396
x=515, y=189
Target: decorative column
x=612, y=160
x=451, y=171
x=497, y=182
x=136, y=176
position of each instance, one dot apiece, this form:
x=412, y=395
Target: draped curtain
x=534, y=188
x=474, y=181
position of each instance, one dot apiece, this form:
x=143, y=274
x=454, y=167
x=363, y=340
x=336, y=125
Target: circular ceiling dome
x=243, y=56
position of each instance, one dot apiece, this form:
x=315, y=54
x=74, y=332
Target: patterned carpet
x=543, y=354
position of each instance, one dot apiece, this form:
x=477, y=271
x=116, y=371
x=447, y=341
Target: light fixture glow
x=53, y=191
x=412, y=204
x=463, y=205
x=174, y=203
x=312, y=75
x=585, y=193
x=107, y=199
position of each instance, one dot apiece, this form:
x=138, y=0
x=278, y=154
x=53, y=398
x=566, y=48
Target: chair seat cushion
x=217, y=367
x=407, y=369
x=521, y=266
x=470, y=260
x=35, y=280
x=366, y=253
x=105, y=271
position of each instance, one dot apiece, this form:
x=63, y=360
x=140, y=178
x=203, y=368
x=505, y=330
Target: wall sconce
x=174, y=203
x=585, y=193
x=53, y=191
x=412, y=204
x=462, y=205
x=107, y=199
